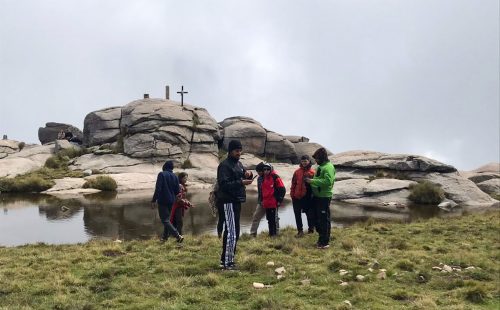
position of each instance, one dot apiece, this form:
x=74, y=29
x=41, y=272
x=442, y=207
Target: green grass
x=151, y=275
x=36, y=181
x=101, y=182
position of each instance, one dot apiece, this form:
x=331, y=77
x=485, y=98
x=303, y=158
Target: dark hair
x=182, y=175
x=305, y=157
x=169, y=165
x=320, y=155
x=234, y=145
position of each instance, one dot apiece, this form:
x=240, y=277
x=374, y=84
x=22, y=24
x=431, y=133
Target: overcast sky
x=412, y=76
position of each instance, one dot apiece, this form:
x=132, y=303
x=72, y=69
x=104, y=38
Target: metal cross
x=182, y=92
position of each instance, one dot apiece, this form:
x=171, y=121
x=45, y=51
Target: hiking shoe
x=221, y=264
x=300, y=234
x=180, y=239
x=310, y=231
x=323, y=247
x=230, y=268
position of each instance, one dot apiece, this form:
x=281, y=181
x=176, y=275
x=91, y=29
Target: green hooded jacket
x=322, y=183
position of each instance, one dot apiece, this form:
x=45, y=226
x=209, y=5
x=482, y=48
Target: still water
x=39, y=218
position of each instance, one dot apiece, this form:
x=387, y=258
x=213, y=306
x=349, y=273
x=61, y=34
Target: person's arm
x=292, y=188
x=280, y=187
x=325, y=179
x=159, y=184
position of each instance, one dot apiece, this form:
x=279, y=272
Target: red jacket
x=268, y=185
x=181, y=202
x=299, y=189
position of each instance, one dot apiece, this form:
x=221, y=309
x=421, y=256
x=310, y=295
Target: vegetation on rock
x=426, y=193
x=102, y=182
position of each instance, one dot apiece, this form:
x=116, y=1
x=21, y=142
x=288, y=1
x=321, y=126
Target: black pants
x=272, y=221
x=323, y=225
x=168, y=228
x=177, y=220
x=304, y=205
x=232, y=212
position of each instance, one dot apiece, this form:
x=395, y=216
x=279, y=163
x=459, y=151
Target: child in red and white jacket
x=273, y=192
x=180, y=204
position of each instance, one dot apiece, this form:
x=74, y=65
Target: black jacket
x=167, y=188
x=230, y=174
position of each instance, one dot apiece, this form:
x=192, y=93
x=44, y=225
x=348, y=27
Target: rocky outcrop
x=491, y=186
x=28, y=159
x=51, y=130
x=280, y=148
x=102, y=126
x=156, y=128
x=250, y=132
x=9, y=147
x=374, y=178
x=486, y=177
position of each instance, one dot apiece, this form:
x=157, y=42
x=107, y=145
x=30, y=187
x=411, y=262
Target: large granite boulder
x=9, y=147
x=396, y=162
x=150, y=128
x=280, y=148
x=308, y=148
x=51, y=130
x=491, y=186
x=28, y=159
x=102, y=126
x=250, y=132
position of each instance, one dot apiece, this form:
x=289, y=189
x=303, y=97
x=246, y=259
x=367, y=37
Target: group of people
x=311, y=192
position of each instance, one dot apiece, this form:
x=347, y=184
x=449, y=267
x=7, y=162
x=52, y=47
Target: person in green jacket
x=322, y=190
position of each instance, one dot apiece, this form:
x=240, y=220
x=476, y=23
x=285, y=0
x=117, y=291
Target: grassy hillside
x=152, y=275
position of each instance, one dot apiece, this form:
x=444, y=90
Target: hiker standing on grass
x=259, y=211
x=180, y=204
x=273, y=192
x=232, y=179
x=301, y=194
x=166, y=190
x=322, y=189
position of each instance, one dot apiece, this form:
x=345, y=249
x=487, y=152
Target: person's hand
x=247, y=182
x=153, y=205
x=308, y=180
x=248, y=174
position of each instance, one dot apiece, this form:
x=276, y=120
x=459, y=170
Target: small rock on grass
x=360, y=277
x=343, y=272
x=382, y=275
x=305, y=282
x=280, y=276
x=258, y=285
x=344, y=284
x=347, y=302
x=270, y=264
x=280, y=270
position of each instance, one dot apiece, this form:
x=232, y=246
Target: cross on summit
x=182, y=92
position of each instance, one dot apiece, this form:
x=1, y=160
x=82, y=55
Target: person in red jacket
x=273, y=192
x=301, y=194
x=180, y=204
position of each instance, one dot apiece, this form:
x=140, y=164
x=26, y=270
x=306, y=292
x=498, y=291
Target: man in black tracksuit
x=232, y=179
x=166, y=190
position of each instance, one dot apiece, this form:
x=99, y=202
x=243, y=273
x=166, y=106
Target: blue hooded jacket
x=167, y=185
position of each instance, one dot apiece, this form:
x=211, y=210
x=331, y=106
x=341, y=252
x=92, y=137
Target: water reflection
x=43, y=218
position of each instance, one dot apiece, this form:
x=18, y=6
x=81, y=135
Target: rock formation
x=51, y=130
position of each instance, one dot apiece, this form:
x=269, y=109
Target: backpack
x=279, y=192
x=212, y=199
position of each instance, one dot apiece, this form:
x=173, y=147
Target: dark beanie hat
x=169, y=165
x=305, y=157
x=259, y=167
x=234, y=145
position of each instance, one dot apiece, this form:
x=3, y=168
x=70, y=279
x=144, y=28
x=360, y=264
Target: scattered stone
x=421, y=279
x=384, y=270
x=382, y=275
x=343, y=272
x=305, y=282
x=470, y=268
x=280, y=270
x=258, y=285
x=370, y=269
x=376, y=265
x=118, y=241
x=64, y=208
x=447, y=268
x=457, y=269
x=280, y=276
x=270, y=264
x=437, y=268
x=87, y=172
x=347, y=302
x=344, y=284
x=360, y=278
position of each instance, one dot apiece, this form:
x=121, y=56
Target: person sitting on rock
x=61, y=135
x=181, y=204
x=273, y=192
